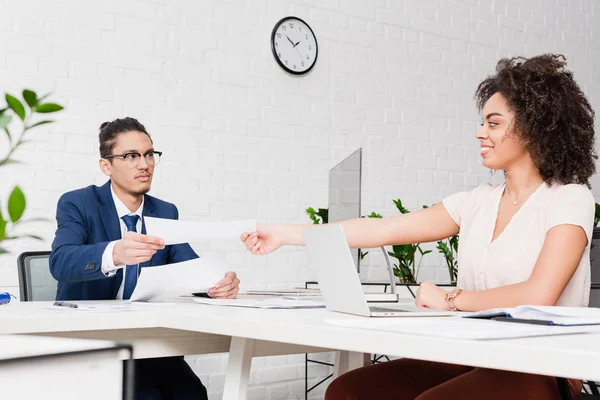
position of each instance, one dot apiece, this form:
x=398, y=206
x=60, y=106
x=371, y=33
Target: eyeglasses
x=133, y=158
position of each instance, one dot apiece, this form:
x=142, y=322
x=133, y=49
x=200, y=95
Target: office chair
x=590, y=388
x=35, y=281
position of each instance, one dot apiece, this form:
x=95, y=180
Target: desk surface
x=18, y=346
x=573, y=356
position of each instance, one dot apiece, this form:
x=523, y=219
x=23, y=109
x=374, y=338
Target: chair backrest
x=595, y=264
x=35, y=281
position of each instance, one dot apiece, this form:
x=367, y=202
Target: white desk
x=195, y=329
x=55, y=368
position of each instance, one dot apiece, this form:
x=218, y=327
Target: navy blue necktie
x=131, y=272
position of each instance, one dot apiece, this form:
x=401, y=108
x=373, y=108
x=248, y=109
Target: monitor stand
x=385, y=297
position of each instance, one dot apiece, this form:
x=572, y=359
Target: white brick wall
x=241, y=138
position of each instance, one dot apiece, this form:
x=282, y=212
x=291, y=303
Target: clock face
x=294, y=45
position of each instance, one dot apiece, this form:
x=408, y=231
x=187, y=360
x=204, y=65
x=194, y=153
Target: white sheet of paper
x=270, y=302
x=458, y=328
x=174, y=280
x=96, y=308
x=175, y=231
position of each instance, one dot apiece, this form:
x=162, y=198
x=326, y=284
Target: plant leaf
x=311, y=214
x=4, y=121
x=9, y=161
x=400, y=207
x=3, y=251
x=46, y=121
x=16, y=106
x=48, y=108
x=30, y=98
x=28, y=235
x=374, y=215
x=2, y=227
x=16, y=204
x=324, y=214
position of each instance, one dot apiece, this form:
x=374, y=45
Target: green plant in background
x=597, y=215
x=318, y=217
x=14, y=107
x=407, y=269
x=449, y=249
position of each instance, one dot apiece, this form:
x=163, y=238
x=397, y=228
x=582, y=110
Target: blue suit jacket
x=87, y=222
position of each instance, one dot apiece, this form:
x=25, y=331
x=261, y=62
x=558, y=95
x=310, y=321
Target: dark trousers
x=165, y=379
x=407, y=379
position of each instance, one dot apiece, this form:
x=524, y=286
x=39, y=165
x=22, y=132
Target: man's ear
x=105, y=166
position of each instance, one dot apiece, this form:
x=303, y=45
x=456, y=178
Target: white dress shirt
x=108, y=265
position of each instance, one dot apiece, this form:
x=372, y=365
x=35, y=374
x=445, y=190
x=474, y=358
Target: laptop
x=339, y=282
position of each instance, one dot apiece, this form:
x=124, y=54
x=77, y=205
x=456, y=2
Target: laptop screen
x=344, y=192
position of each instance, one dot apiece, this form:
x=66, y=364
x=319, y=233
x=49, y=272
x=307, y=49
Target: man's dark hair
x=110, y=130
x=554, y=119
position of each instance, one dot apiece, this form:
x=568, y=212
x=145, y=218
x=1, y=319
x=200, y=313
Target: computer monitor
x=344, y=192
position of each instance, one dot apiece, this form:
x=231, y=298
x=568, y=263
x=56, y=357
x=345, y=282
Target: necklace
x=514, y=203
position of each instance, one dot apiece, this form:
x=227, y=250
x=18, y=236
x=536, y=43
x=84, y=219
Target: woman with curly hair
x=526, y=241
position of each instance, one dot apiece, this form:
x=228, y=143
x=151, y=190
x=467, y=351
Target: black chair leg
x=593, y=388
x=563, y=388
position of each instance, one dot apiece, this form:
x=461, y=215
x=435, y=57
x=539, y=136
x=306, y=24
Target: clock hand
x=301, y=57
x=297, y=43
x=288, y=38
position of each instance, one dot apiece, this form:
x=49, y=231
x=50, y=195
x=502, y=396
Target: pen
x=524, y=321
x=65, y=304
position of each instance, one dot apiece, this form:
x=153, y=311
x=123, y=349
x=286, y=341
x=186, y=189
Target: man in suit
x=100, y=247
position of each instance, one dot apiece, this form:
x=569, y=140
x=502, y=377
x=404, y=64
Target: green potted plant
x=24, y=111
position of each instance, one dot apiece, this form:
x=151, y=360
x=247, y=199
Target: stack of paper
x=285, y=292
x=270, y=302
x=553, y=315
x=174, y=280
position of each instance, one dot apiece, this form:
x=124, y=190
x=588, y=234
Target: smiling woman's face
x=500, y=146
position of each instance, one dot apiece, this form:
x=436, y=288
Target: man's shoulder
x=84, y=194
x=160, y=204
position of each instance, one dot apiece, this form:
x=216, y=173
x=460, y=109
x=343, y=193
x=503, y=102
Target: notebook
x=543, y=315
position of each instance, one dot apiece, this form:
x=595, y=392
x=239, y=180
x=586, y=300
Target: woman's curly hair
x=554, y=119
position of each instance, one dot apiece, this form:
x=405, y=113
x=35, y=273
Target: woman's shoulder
x=484, y=192
x=572, y=192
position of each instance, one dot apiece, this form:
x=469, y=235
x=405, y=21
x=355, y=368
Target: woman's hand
x=265, y=240
x=431, y=296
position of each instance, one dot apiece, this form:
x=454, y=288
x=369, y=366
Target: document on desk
x=83, y=307
x=174, y=280
x=175, y=231
x=551, y=315
x=269, y=302
x=459, y=328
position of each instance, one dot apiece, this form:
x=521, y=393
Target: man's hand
x=227, y=288
x=136, y=248
x=431, y=296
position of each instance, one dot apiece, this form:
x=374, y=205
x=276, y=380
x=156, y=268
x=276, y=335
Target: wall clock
x=294, y=45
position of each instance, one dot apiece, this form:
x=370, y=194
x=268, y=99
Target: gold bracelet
x=450, y=296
